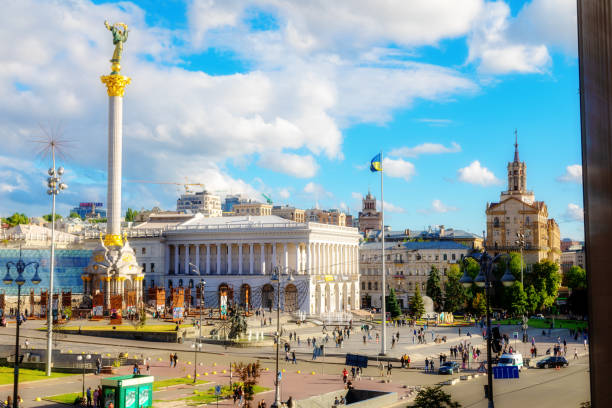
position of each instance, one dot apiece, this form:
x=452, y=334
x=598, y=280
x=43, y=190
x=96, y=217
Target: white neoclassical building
x=238, y=256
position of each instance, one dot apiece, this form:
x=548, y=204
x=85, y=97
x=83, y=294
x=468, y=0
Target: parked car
x=538, y=316
x=552, y=362
x=449, y=367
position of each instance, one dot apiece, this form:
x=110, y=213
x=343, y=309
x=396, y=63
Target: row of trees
x=20, y=218
x=539, y=293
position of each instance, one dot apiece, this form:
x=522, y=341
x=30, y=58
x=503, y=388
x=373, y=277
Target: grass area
x=208, y=396
x=107, y=327
x=6, y=375
x=545, y=323
x=64, y=398
x=174, y=381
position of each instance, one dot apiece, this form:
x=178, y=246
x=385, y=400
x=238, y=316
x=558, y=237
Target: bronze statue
x=120, y=35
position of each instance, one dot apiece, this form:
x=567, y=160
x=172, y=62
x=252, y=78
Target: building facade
x=252, y=209
x=90, y=210
x=239, y=255
x=407, y=264
x=289, y=213
x=209, y=205
x=572, y=257
x=369, y=218
x=518, y=214
x=331, y=217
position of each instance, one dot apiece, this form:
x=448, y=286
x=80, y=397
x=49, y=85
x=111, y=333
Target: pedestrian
x=171, y=359
x=175, y=359
x=27, y=344
x=380, y=369
x=426, y=364
x=88, y=396
x=575, y=353
x=99, y=397
x=344, y=375
x=389, y=368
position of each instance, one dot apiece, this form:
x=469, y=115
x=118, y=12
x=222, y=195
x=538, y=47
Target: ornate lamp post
x=277, y=277
x=485, y=279
x=80, y=358
x=20, y=266
x=54, y=182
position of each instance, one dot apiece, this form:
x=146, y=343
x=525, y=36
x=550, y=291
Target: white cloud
x=476, y=174
x=390, y=207
x=573, y=212
x=317, y=190
x=425, y=148
x=435, y=122
x=573, y=174
x=497, y=51
x=398, y=168
x=292, y=164
x=356, y=196
x=439, y=207
x=284, y=193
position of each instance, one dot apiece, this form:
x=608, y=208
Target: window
x=375, y=285
x=144, y=267
x=152, y=283
x=496, y=222
x=144, y=251
x=180, y=283
x=152, y=267
x=445, y=257
x=369, y=285
x=169, y=283
x=437, y=257
x=453, y=257
x=362, y=285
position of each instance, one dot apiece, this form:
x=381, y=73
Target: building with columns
x=238, y=255
x=518, y=214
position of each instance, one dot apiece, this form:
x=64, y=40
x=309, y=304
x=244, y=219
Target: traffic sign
x=217, y=390
x=504, y=372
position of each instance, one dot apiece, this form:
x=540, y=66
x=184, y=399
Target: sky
x=293, y=98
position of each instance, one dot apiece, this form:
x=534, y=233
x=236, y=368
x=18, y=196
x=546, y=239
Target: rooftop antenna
x=516, y=154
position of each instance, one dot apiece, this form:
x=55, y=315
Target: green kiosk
x=128, y=391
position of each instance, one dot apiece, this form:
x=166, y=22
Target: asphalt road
x=542, y=388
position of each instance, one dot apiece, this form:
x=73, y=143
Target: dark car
x=449, y=367
x=552, y=362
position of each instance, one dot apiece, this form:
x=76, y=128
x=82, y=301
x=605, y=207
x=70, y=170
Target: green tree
x=392, y=305
x=454, y=295
x=433, y=289
x=130, y=215
x=74, y=215
x=434, y=397
x=533, y=300
x=518, y=304
x=575, y=278
x=473, y=267
x=546, y=280
x=417, y=307
x=17, y=219
x=479, y=304
x=47, y=217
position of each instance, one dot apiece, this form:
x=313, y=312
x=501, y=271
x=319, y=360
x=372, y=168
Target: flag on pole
x=375, y=164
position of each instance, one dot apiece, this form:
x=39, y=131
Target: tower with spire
x=517, y=176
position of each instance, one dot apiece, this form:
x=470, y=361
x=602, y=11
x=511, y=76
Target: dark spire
x=516, y=155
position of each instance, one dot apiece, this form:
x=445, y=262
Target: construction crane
x=268, y=199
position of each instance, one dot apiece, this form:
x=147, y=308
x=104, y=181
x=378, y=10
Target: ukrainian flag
x=375, y=164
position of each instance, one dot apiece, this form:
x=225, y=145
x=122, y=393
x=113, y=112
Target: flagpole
x=383, y=347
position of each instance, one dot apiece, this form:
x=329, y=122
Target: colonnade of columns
x=333, y=297
x=249, y=258
x=113, y=285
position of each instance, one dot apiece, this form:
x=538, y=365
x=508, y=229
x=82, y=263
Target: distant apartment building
x=572, y=257
x=232, y=200
x=90, y=210
x=289, y=213
x=209, y=205
x=568, y=244
x=437, y=233
x=369, y=218
x=254, y=209
x=332, y=217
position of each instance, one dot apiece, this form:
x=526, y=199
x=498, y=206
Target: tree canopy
x=546, y=280
x=434, y=397
x=575, y=278
x=518, y=299
x=47, y=217
x=454, y=295
x=130, y=215
x=392, y=305
x=433, y=289
x=417, y=307
x=74, y=215
x=16, y=219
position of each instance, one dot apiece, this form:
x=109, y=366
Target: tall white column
x=319, y=259
x=285, y=258
x=251, y=258
x=166, y=260
x=309, y=259
x=240, y=258
x=208, y=259
x=176, y=259
x=197, y=260
x=218, y=259
x=298, y=259
x=186, y=259
x=262, y=258
x=115, y=141
x=229, y=258
x=273, y=256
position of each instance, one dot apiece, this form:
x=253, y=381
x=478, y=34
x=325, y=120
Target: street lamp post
x=80, y=358
x=20, y=266
x=485, y=279
x=277, y=278
x=197, y=346
x=521, y=244
x=54, y=182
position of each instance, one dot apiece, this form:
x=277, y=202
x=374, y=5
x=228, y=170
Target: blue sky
x=293, y=99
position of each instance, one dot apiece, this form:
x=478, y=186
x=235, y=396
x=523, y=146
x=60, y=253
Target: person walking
x=88, y=394
x=575, y=353
x=380, y=369
x=293, y=359
x=344, y=375
x=426, y=364
x=389, y=368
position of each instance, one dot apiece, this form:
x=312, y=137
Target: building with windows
x=438, y=233
x=209, y=205
x=90, y=210
x=572, y=257
x=253, y=209
x=518, y=214
x=231, y=200
x=369, y=218
x=238, y=256
x=289, y=213
x=407, y=264
x=331, y=217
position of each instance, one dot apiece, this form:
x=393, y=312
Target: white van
x=515, y=359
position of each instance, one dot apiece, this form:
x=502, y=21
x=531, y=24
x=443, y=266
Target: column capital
x=115, y=84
